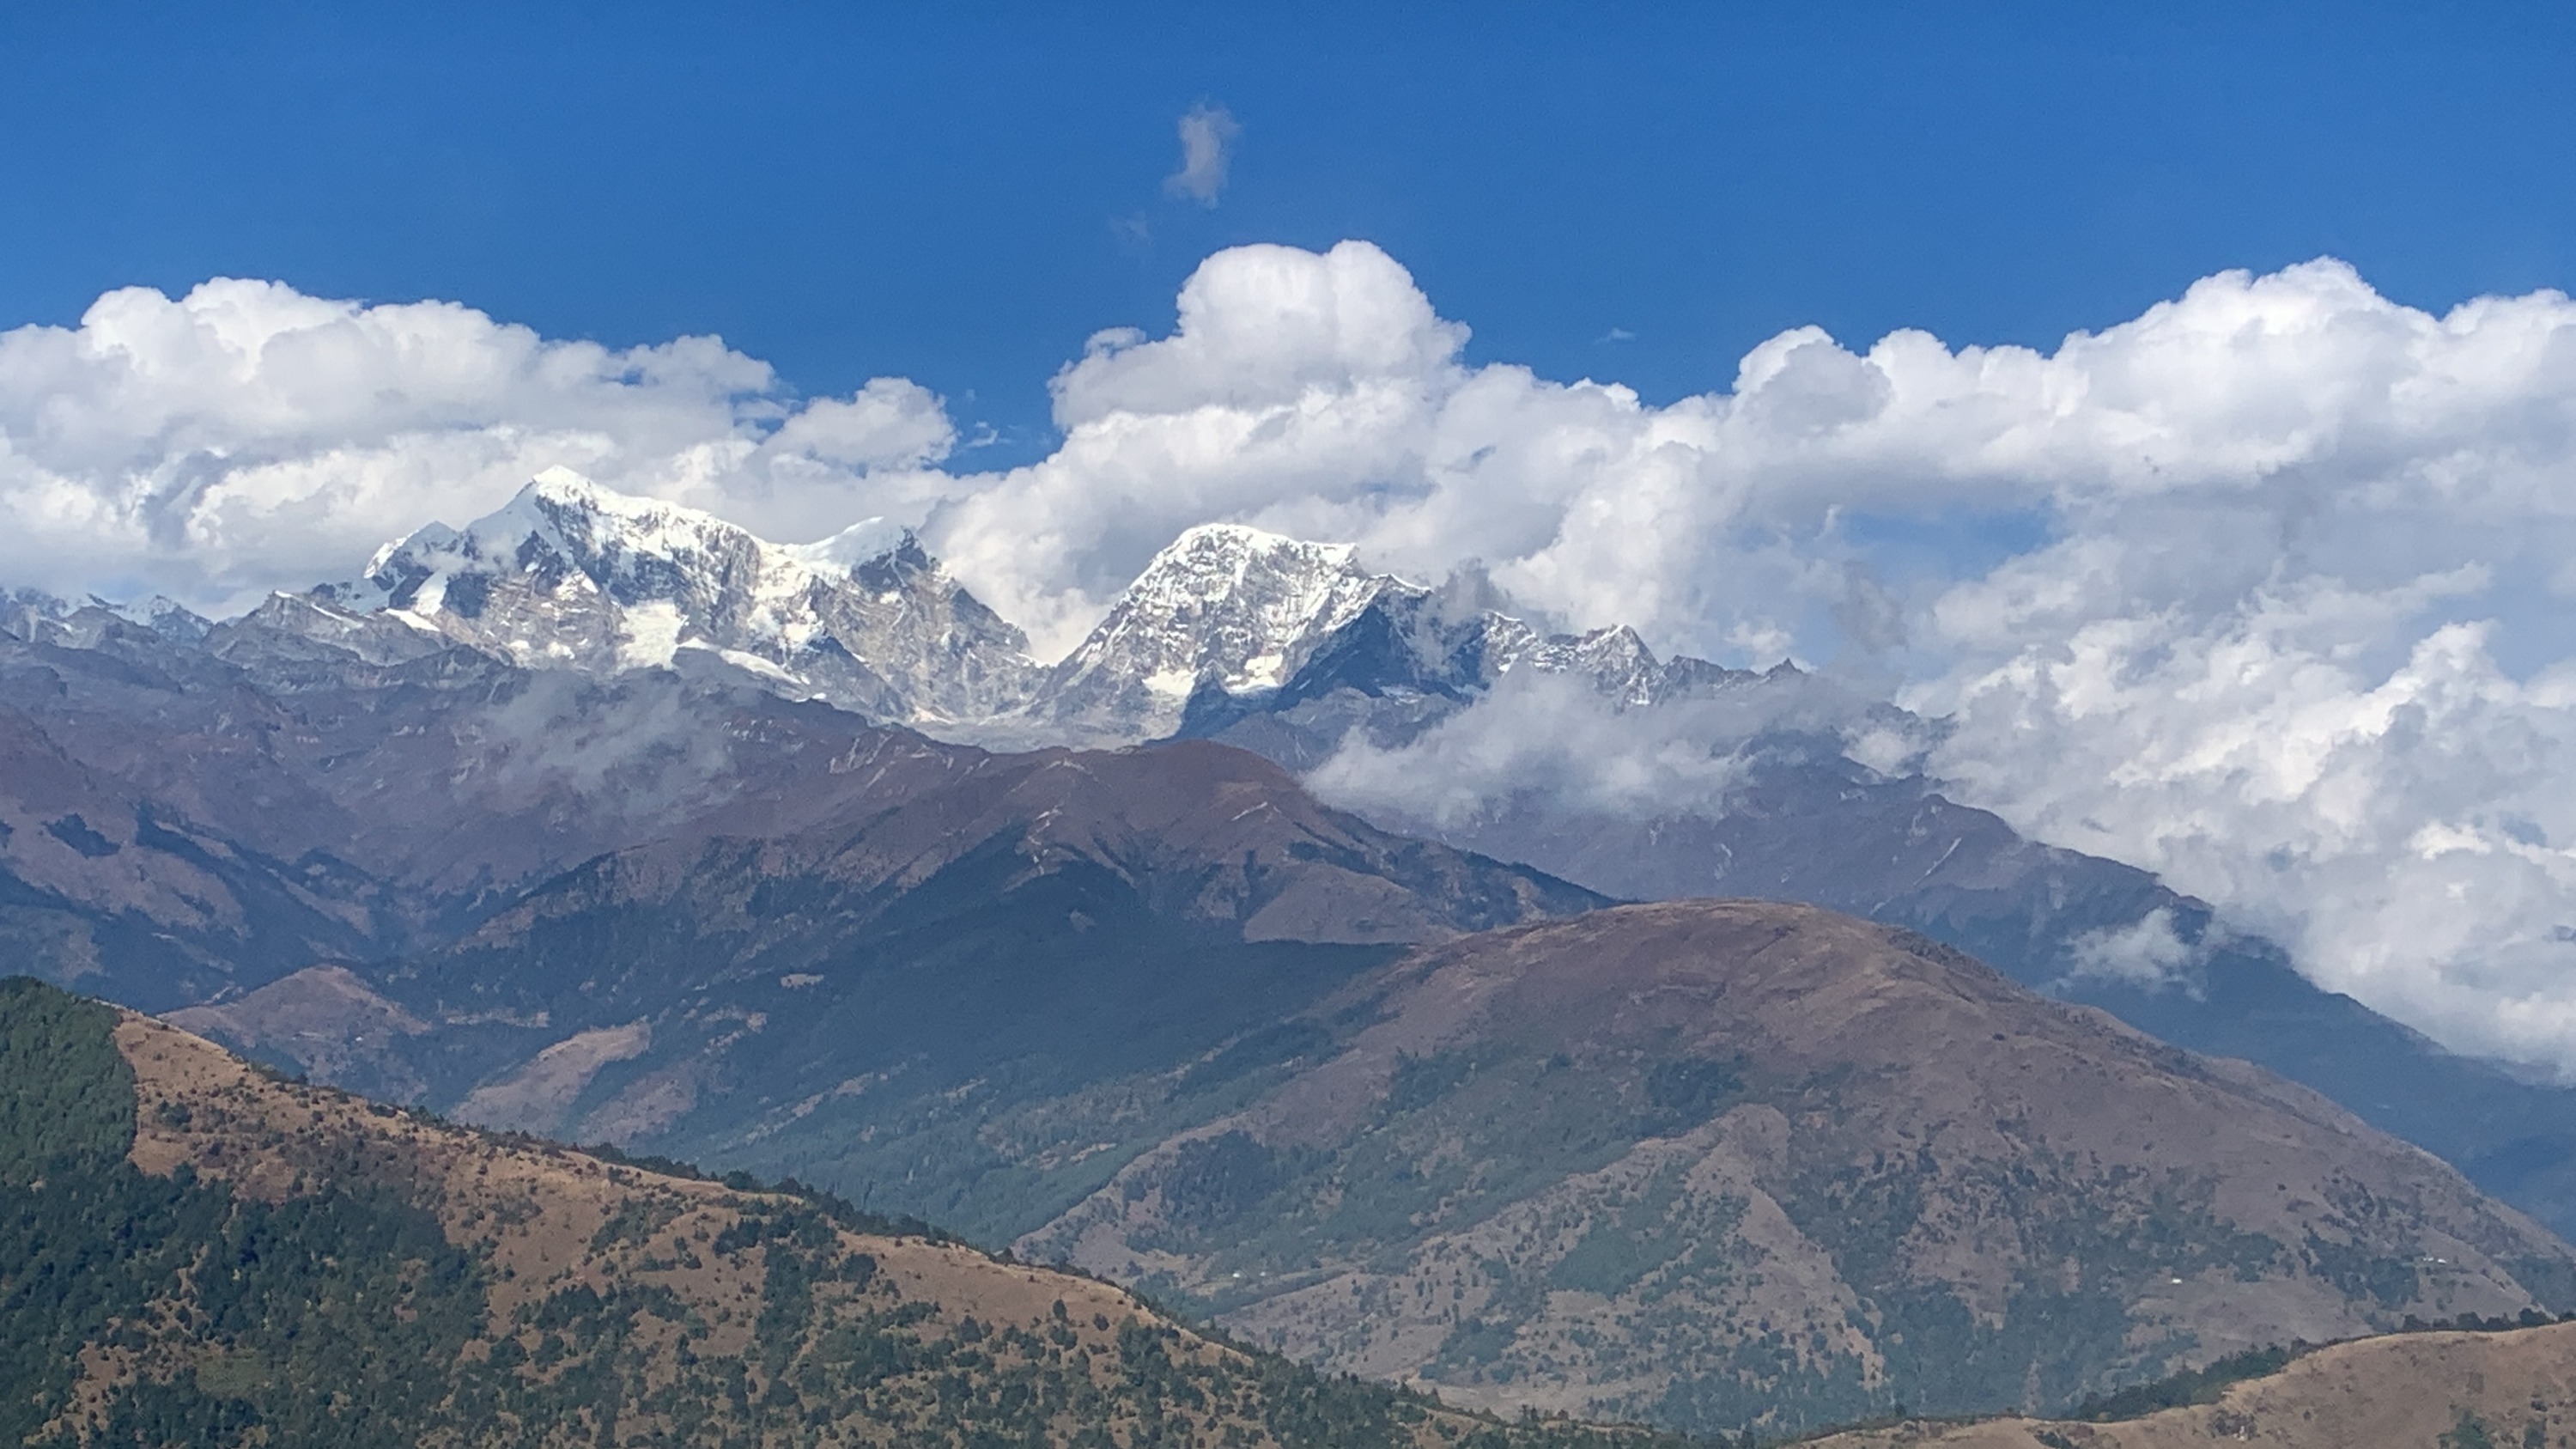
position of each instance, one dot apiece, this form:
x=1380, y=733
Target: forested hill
x=193, y=1253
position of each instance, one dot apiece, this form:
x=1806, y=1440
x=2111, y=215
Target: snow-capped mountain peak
x=33, y=614
x=573, y=574
x=1229, y=620
x=1224, y=622
x=852, y=548
x=1223, y=606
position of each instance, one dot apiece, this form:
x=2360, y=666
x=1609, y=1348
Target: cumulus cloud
x=1545, y=738
x=2291, y=634
x=2148, y=952
x=247, y=437
x=1552, y=743
x=1207, y=145
x=2279, y=612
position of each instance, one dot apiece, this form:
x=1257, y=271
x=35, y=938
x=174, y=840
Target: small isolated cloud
x=1616, y=334
x=892, y=422
x=1207, y=143
x=2148, y=953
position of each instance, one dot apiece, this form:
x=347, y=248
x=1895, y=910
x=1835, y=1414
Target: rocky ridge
x=572, y=575
x=1231, y=622
x=1225, y=621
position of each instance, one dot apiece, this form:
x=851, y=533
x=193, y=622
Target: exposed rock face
x=573, y=575
x=29, y=614
x=1224, y=607
x=1231, y=622
x=1723, y=1163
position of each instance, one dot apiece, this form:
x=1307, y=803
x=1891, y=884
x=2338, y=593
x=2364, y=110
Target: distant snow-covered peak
x=32, y=613
x=1258, y=589
x=1223, y=606
x=1227, y=619
x=573, y=574
x=562, y=524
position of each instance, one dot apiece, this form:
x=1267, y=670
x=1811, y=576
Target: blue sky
x=956, y=193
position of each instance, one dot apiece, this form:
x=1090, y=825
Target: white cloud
x=1552, y=745
x=247, y=437
x=2147, y=952
x=1207, y=144
x=2293, y=631
x=2291, y=534
x=1548, y=738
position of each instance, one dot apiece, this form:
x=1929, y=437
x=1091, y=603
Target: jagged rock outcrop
x=572, y=575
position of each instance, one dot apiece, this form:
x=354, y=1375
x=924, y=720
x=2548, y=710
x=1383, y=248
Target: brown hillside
x=673, y=1310
x=1729, y=1163
x=947, y=924
x=2405, y=1391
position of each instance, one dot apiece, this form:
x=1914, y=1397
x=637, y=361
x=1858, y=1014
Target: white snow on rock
x=1223, y=606
x=1232, y=611
x=569, y=573
x=1227, y=619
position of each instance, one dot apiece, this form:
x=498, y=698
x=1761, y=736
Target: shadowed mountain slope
x=848, y=1001
x=116, y=892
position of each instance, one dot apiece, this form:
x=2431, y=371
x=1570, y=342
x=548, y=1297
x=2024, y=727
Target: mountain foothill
x=600, y=820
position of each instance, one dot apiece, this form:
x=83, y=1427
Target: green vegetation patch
x=306, y=1321
x=66, y=1092
x=2202, y=1385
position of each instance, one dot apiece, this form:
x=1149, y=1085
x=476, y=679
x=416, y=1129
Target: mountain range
x=602, y=819
x=1285, y=648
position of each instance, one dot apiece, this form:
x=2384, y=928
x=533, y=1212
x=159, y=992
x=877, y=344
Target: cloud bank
x=2265, y=589
x=246, y=437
